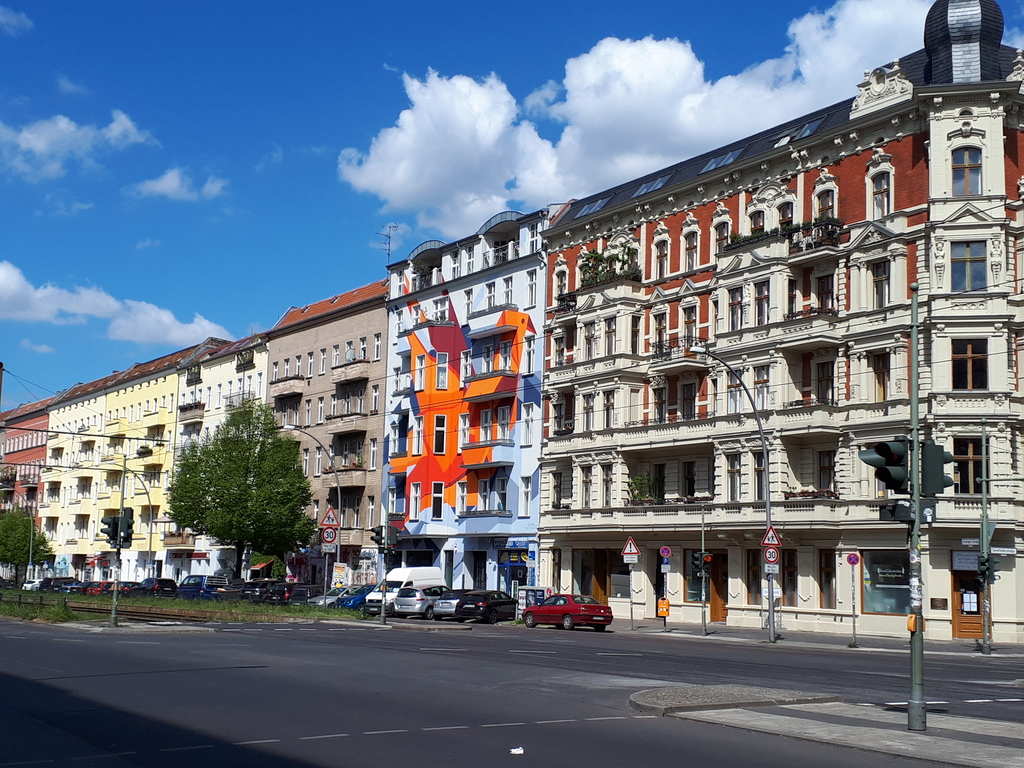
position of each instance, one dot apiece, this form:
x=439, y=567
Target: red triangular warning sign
x=631, y=548
x=330, y=519
x=771, y=538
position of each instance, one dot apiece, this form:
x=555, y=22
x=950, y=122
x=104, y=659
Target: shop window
x=967, y=171
x=886, y=580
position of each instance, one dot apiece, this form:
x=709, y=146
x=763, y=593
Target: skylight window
x=593, y=207
x=810, y=128
x=722, y=160
x=653, y=184
x=802, y=133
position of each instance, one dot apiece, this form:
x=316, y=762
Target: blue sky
x=170, y=171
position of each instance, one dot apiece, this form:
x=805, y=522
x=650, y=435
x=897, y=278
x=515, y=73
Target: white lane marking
x=551, y=722
x=187, y=749
x=895, y=703
x=256, y=741
x=447, y=728
x=616, y=717
x=15, y=637
x=548, y=652
x=325, y=736
x=1009, y=699
x=646, y=717
x=462, y=650
x=137, y=642
x=68, y=640
x=304, y=629
x=500, y=725
x=978, y=701
x=936, y=702
x=286, y=629
x=602, y=653
x=377, y=733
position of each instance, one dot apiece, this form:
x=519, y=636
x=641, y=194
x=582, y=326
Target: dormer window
x=967, y=171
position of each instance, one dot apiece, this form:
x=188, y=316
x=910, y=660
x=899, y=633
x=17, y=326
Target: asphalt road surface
x=347, y=696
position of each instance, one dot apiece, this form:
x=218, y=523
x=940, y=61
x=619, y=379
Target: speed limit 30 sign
x=328, y=535
x=771, y=555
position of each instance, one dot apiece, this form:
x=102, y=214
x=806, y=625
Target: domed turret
x=962, y=39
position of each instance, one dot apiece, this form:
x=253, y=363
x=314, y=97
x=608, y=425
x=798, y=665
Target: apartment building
x=769, y=283
x=463, y=402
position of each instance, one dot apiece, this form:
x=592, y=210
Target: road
x=358, y=695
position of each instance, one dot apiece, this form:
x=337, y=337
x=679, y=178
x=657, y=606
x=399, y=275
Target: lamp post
x=701, y=349
x=337, y=485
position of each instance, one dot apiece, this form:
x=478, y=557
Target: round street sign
x=771, y=555
x=329, y=535
x=665, y=551
x=853, y=558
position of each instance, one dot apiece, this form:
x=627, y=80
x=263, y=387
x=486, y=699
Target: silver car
x=418, y=601
x=445, y=605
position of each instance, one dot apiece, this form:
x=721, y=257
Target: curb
x=695, y=698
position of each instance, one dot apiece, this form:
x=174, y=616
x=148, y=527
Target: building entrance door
x=967, y=618
x=718, y=586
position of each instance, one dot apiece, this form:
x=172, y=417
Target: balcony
x=424, y=324
x=343, y=423
x=809, y=329
x=347, y=477
x=811, y=414
x=485, y=513
x=674, y=355
x=289, y=386
x=190, y=413
x=115, y=427
x=565, y=303
x=152, y=419
x=495, y=320
x=491, y=385
x=354, y=370
x=179, y=540
x=484, y=454
x=810, y=238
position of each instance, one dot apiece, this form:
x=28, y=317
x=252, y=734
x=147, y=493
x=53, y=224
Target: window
x=440, y=425
x=501, y=492
x=826, y=292
x=415, y=501
x=825, y=382
x=468, y=299
x=606, y=485
x=507, y=296
x=417, y=435
x=469, y=260
x=461, y=497
x=967, y=171
x=483, y=493
x=967, y=266
x=589, y=341
x=880, y=195
x=463, y=430
x=320, y=410
x=373, y=453
x=440, y=315
x=661, y=259
x=319, y=467
x=305, y=461
x=690, y=326
x=688, y=401
x=759, y=476
x=788, y=577
x=587, y=473
x=827, y=578
x=309, y=412
x=660, y=331
x=660, y=405
x=734, y=394
x=735, y=309
x=734, y=477
x=336, y=355
x=826, y=204
x=970, y=363
x=588, y=412
x=609, y=409
x=504, y=422
x=967, y=460
x=792, y=298
x=376, y=346
x=634, y=335
x=609, y=337
x=526, y=500
x=420, y=372
x=785, y=216
x=561, y=283
x=505, y=355
x=757, y=223
x=556, y=490
x=753, y=575
x=374, y=398
x=527, y=430
x=761, y=387
x=488, y=358
x=762, y=303
x=437, y=501
x=826, y=470
x=721, y=237
x=690, y=251
x=456, y=265
x=491, y=299
x=323, y=361
x=531, y=288
x=486, y=425
x=689, y=478
x=529, y=355
x=880, y=374
x=880, y=284
x=886, y=581
x=441, y=371
x=467, y=365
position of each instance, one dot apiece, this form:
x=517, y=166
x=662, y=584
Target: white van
x=416, y=576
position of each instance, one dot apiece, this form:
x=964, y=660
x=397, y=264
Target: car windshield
x=394, y=586
x=407, y=592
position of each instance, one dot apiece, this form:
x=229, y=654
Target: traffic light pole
x=916, y=707
x=986, y=544
x=117, y=548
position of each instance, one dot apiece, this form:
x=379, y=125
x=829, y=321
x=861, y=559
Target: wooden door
x=967, y=597
x=719, y=587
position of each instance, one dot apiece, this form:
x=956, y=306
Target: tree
x=244, y=486
x=19, y=536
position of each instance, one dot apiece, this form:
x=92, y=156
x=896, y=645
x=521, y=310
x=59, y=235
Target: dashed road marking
x=552, y=722
x=256, y=741
x=324, y=736
x=102, y=757
x=605, y=653
x=615, y=717
x=500, y=725
x=447, y=728
x=378, y=733
x=530, y=651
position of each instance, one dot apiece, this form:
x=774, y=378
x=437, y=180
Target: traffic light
x=987, y=568
x=109, y=528
x=392, y=537
x=891, y=461
x=934, y=457
x=700, y=562
x=378, y=536
x=127, y=526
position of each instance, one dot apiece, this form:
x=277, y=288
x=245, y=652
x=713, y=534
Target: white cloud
x=65, y=85
x=60, y=203
x=176, y=184
x=13, y=22
x=463, y=149
x=273, y=157
x=42, y=349
x=45, y=148
x=130, y=320
x=148, y=243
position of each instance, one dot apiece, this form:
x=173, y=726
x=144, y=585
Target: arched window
x=721, y=237
x=826, y=204
x=881, y=197
x=561, y=283
x=967, y=171
x=757, y=223
x=690, y=243
x=785, y=216
x=661, y=259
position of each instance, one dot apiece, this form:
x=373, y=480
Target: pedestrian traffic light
x=934, y=479
x=378, y=536
x=126, y=527
x=891, y=461
x=109, y=529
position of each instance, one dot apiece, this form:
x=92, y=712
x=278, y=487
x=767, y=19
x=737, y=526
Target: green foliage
x=640, y=488
x=244, y=486
x=597, y=268
x=277, y=571
x=18, y=537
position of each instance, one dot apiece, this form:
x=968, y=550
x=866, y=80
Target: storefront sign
x=964, y=561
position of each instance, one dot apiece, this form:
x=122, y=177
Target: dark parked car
x=290, y=592
x=54, y=583
x=486, y=605
x=202, y=587
x=153, y=587
x=256, y=591
x=123, y=587
x=569, y=610
x=75, y=588
x=354, y=601
x=6, y=584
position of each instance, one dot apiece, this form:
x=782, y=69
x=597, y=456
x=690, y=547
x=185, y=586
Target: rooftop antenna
x=389, y=230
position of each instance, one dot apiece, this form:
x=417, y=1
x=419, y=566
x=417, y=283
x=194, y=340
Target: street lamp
x=337, y=485
x=700, y=349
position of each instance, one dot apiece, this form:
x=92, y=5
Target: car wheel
x=492, y=617
x=529, y=620
x=429, y=613
x=568, y=622
x=600, y=627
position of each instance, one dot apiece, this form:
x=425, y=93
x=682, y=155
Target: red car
x=98, y=587
x=568, y=611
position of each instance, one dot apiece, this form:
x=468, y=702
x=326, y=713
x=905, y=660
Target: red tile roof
x=377, y=290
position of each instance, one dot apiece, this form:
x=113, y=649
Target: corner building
x=463, y=416
x=789, y=257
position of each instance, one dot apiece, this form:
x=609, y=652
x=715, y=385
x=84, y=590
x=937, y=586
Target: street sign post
x=854, y=560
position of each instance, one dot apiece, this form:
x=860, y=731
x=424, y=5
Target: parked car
x=31, y=585
x=418, y=601
x=331, y=596
x=290, y=592
x=486, y=605
x=569, y=611
x=123, y=587
x=94, y=587
x=54, y=583
x=74, y=588
x=396, y=579
x=445, y=605
x=202, y=587
x=153, y=587
x=256, y=591
x=354, y=601
x=6, y=584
